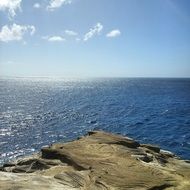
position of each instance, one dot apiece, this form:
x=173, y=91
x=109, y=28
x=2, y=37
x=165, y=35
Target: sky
x=95, y=38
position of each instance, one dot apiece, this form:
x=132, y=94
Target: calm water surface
x=37, y=112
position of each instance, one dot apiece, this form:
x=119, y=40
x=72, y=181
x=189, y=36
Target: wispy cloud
x=113, y=33
x=71, y=33
x=15, y=32
x=93, y=31
x=54, y=4
x=11, y=6
x=53, y=38
x=10, y=62
x=78, y=39
x=36, y=5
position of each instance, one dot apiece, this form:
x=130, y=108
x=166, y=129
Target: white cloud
x=113, y=33
x=93, y=31
x=32, y=29
x=53, y=38
x=15, y=32
x=71, y=33
x=56, y=39
x=53, y=4
x=11, y=6
x=36, y=5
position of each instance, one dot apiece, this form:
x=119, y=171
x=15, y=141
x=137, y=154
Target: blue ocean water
x=37, y=112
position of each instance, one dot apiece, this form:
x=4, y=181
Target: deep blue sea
x=36, y=112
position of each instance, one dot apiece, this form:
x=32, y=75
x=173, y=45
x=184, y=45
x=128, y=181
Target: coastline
x=98, y=160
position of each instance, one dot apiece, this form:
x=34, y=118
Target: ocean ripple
x=35, y=112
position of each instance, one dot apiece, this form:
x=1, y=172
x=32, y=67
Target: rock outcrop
x=98, y=161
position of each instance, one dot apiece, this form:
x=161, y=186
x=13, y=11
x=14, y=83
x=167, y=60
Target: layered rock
x=98, y=161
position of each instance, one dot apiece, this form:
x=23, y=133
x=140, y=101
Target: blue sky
x=95, y=38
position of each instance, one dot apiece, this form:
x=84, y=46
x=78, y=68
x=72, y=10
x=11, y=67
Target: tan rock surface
x=98, y=161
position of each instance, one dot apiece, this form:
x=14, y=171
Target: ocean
x=39, y=111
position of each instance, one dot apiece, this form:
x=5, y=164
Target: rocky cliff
x=98, y=161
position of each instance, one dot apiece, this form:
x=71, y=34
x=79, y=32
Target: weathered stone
x=151, y=147
x=98, y=161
